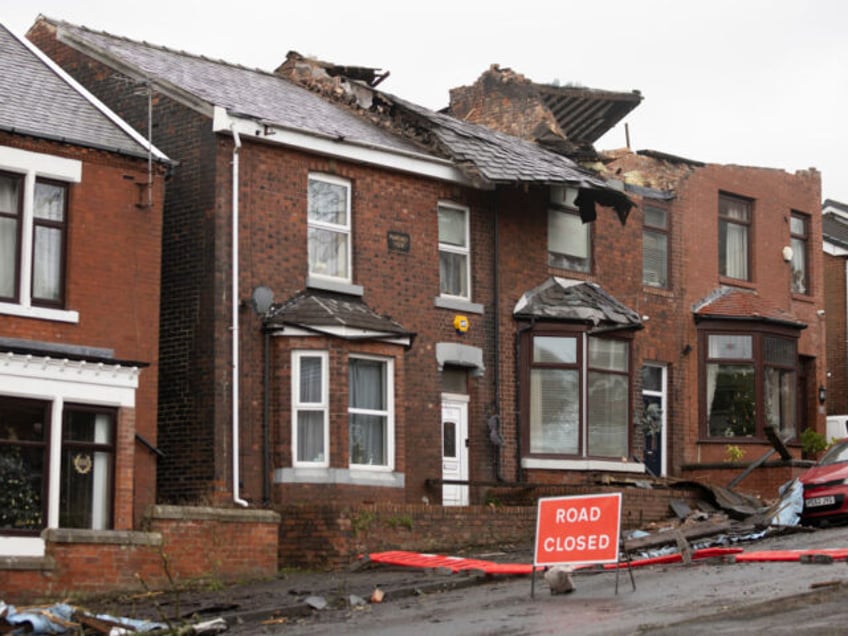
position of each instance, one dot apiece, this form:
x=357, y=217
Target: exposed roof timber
x=587, y=114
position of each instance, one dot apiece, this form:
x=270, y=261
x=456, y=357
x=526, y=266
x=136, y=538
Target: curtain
x=9, y=198
x=554, y=411
x=310, y=423
x=736, y=251
x=368, y=413
x=607, y=415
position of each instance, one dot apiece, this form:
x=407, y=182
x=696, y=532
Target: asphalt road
x=702, y=598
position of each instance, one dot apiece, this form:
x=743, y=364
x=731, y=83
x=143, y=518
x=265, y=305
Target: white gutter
x=235, y=325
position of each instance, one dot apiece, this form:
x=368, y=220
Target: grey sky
x=752, y=82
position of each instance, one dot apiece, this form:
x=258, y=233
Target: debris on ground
x=62, y=618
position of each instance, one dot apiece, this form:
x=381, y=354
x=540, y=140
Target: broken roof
x=204, y=83
x=580, y=114
x=386, y=122
x=337, y=315
x=728, y=303
x=576, y=300
x=40, y=100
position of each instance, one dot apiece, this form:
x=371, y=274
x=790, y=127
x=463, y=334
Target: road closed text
x=568, y=542
x=581, y=529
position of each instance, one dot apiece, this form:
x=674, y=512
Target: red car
x=826, y=488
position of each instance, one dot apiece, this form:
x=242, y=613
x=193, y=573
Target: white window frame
x=36, y=165
x=344, y=230
x=562, y=206
x=463, y=251
x=323, y=406
x=389, y=413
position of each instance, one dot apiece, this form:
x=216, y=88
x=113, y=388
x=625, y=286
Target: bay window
x=370, y=412
x=751, y=381
x=578, y=404
x=310, y=406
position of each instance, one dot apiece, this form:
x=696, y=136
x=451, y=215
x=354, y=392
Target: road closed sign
x=580, y=529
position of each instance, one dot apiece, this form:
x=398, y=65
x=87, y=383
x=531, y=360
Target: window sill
x=39, y=313
x=736, y=282
x=458, y=304
x=608, y=465
x=343, y=476
x=341, y=287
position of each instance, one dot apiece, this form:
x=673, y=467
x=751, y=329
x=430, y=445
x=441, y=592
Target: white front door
x=454, y=449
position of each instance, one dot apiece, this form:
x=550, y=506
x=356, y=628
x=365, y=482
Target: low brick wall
x=764, y=481
x=182, y=545
x=332, y=536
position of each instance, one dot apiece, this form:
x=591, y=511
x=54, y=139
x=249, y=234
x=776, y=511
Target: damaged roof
x=337, y=109
x=576, y=300
x=338, y=315
x=40, y=100
x=204, y=83
x=728, y=303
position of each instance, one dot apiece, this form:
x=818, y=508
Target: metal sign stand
x=626, y=554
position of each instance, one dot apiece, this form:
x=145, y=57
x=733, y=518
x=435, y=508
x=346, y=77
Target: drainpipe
x=235, y=326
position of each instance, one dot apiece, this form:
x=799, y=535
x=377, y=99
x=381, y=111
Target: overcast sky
x=751, y=82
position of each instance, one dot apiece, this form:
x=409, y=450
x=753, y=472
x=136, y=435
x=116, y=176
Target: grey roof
x=326, y=311
x=835, y=229
x=243, y=91
x=480, y=152
x=39, y=100
x=576, y=300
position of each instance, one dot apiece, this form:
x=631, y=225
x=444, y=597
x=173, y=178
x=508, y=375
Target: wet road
x=703, y=598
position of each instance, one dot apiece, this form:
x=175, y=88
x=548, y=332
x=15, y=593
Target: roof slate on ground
x=36, y=100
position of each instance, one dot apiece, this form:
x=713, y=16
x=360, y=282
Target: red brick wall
x=113, y=282
x=335, y=535
x=180, y=546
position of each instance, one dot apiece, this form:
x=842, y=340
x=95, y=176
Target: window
x=655, y=247
x=310, y=406
x=371, y=412
x=88, y=457
x=799, y=229
x=751, y=381
x=329, y=228
x=86, y=472
x=734, y=237
x=454, y=250
x=32, y=250
x=559, y=377
x=569, y=239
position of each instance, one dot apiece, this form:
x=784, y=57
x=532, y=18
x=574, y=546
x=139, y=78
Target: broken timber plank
x=670, y=536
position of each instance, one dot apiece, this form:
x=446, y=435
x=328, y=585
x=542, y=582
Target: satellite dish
x=262, y=299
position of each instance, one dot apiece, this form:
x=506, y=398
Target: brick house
x=80, y=232
x=721, y=262
x=392, y=264
x=835, y=247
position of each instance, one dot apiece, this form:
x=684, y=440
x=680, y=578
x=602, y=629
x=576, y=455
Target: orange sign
x=580, y=529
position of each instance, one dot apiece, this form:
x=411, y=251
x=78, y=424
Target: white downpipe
x=235, y=326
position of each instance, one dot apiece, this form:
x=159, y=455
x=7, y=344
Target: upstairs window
x=569, y=238
x=329, y=233
x=734, y=237
x=454, y=252
x=655, y=247
x=32, y=246
x=799, y=229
